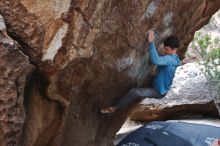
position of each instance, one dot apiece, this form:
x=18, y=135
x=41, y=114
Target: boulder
x=190, y=95
x=14, y=71
x=88, y=54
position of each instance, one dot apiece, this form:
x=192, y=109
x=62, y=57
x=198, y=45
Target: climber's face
x=167, y=50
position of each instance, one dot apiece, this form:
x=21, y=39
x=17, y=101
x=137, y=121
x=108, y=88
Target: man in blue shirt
x=167, y=65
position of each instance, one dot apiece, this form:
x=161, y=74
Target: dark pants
x=138, y=94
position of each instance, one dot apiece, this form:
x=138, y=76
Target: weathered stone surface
x=88, y=54
x=14, y=70
x=190, y=94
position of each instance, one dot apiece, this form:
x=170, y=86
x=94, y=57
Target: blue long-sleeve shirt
x=166, y=69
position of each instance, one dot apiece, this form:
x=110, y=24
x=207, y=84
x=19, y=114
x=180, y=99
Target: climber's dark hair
x=172, y=42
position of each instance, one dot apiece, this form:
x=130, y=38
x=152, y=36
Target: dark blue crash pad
x=172, y=134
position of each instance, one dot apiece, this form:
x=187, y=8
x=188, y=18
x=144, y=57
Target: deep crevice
x=35, y=78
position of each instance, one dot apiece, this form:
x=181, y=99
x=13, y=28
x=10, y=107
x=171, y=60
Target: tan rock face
x=14, y=69
x=88, y=54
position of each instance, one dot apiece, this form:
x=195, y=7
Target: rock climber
x=167, y=65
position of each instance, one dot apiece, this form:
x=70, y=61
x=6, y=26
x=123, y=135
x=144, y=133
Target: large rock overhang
x=88, y=54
